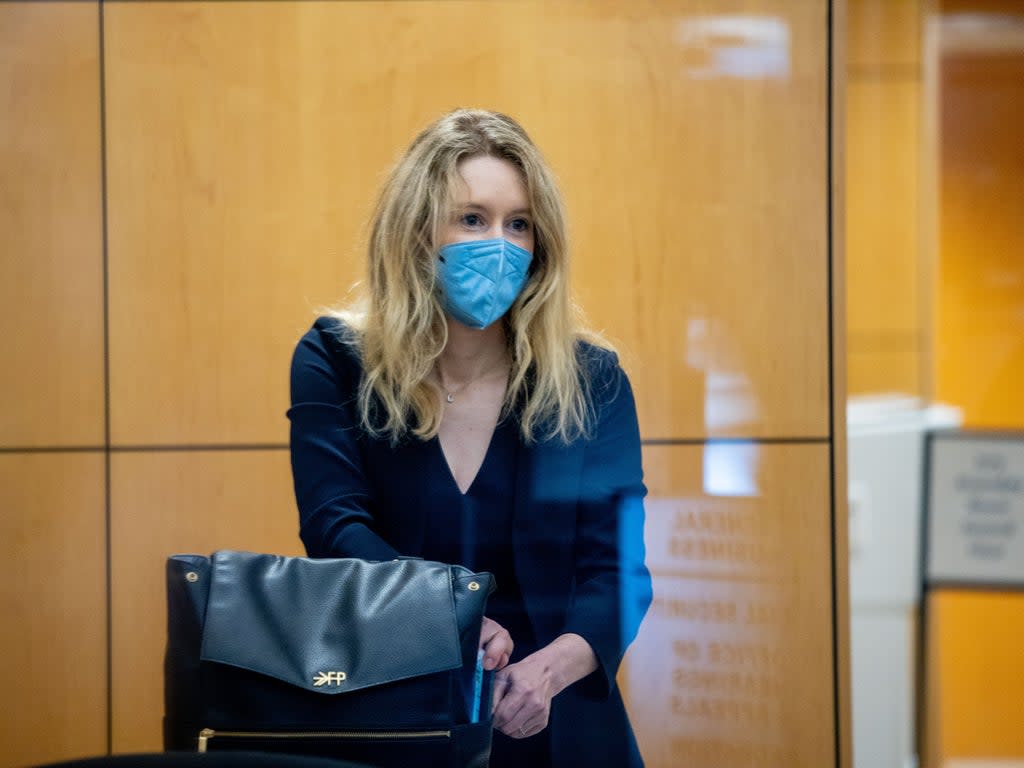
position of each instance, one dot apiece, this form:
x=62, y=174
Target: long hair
x=400, y=327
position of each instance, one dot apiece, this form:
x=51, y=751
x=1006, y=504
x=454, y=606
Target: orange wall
x=977, y=670
x=980, y=308
x=976, y=675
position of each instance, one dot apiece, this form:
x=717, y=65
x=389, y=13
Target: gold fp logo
x=329, y=678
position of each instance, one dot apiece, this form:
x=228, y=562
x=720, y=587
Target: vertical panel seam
x=830, y=324
x=106, y=378
x=921, y=666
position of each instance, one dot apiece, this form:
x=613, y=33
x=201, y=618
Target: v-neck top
x=475, y=528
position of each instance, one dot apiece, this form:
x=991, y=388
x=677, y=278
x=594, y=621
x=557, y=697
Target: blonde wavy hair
x=400, y=327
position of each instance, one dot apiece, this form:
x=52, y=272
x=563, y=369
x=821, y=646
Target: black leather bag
x=373, y=662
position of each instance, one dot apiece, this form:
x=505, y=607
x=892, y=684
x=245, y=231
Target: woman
x=459, y=415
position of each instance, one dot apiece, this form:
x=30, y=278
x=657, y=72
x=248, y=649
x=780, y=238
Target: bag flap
x=331, y=625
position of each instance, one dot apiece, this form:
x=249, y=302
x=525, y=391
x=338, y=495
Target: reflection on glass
x=730, y=470
x=711, y=537
x=717, y=693
x=730, y=402
x=744, y=47
x=717, y=684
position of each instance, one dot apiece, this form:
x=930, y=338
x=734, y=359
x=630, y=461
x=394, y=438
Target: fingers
x=524, y=726
x=498, y=690
x=520, y=706
x=526, y=731
x=496, y=643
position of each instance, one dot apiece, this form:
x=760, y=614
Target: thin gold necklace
x=449, y=394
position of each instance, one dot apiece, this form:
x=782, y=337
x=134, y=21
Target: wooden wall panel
x=884, y=364
x=53, y=636
x=733, y=663
x=163, y=503
x=887, y=266
x=882, y=205
x=883, y=35
x=706, y=213
x=247, y=140
x=51, y=276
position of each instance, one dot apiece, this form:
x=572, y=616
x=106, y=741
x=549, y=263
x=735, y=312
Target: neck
x=472, y=353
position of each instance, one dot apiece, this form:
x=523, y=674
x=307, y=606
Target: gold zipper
x=208, y=733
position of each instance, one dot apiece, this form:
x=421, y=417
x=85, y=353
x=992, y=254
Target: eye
x=471, y=220
x=519, y=226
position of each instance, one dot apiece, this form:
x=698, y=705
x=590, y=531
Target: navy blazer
x=578, y=523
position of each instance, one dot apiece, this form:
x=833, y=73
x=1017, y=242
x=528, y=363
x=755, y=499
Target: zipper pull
x=204, y=736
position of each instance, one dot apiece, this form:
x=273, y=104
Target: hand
x=523, y=691
x=522, y=697
x=497, y=644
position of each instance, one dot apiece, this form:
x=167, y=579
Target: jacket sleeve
x=612, y=589
x=331, y=489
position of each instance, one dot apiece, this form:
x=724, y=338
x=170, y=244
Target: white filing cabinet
x=885, y=470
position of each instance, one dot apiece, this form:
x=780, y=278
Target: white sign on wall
x=975, y=510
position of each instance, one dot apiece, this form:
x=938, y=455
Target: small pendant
x=450, y=398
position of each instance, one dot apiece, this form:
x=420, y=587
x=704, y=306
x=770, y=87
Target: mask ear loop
x=439, y=292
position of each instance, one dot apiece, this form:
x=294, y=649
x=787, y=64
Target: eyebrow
x=480, y=207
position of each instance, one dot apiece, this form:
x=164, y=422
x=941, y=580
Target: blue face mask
x=480, y=279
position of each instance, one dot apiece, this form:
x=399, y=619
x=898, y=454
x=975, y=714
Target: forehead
x=490, y=181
